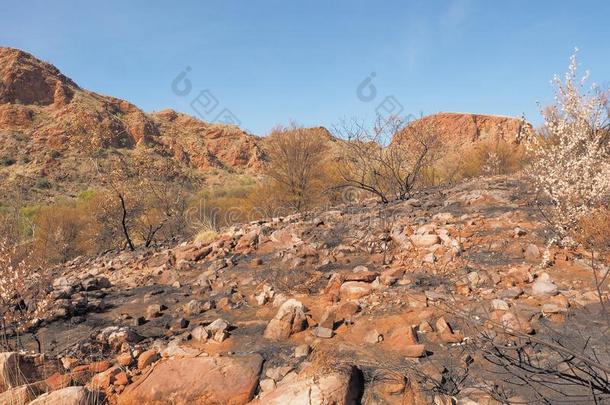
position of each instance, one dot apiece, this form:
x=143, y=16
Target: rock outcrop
x=462, y=128
x=197, y=381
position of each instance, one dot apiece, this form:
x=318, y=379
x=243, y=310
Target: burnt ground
x=490, y=244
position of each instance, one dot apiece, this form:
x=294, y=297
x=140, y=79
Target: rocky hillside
x=416, y=302
x=48, y=124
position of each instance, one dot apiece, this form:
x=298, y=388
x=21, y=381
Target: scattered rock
x=532, y=252
x=425, y=241
x=373, y=337
x=355, y=289
x=544, y=286
x=289, y=319
x=302, y=351
x=147, y=358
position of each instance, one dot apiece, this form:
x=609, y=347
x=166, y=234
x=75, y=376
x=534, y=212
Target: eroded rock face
x=197, y=381
x=26, y=80
x=15, y=370
x=464, y=127
x=290, y=318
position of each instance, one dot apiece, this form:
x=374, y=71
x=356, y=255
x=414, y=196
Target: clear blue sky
x=274, y=61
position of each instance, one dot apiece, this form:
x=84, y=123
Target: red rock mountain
x=45, y=118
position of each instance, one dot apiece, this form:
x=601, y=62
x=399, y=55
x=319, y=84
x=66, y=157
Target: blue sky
x=270, y=62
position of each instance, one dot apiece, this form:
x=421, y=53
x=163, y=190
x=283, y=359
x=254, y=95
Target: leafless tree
x=146, y=197
x=387, y=160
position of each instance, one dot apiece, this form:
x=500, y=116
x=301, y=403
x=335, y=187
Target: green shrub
x=86, y=195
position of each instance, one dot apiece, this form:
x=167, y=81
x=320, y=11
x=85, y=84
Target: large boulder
x=340, y=388
x=20, y=395
x=16, y=370
x=290, y=318
x=196, y=381
x=69, y=396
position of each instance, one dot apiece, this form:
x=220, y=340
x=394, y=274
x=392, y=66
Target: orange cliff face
x=466, y=128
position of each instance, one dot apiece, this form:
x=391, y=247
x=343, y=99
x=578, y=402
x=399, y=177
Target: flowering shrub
x=571, y=158
x=15, y=276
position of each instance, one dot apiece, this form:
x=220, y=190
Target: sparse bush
x=571, y=160
x=593, y=230
x=206, y=236
x=221, y=206
x=63, y=231
x=295, y=169
x=490, y=157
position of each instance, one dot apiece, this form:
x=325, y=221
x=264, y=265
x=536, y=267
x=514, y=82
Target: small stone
x=301, y=351
x=147, y=358
x=267, y=384
x=121, y=378
x=278, y=373
x=430, y=258
x=194, y=307
x=425, y=240
x=499, y=305
x=154, y=311
x=200, y=334
x=125, y=359
x=552, y=308
x=289, y=319
x=532, y=253
x=180, y=323
x=355, y=289
x=69, y=362
x=414, y=351
x=445, y=332
x=510, y=293
x=544, y=286
x=322, y=332
x=218, y=330
x=518, y=231
x=462, y=288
